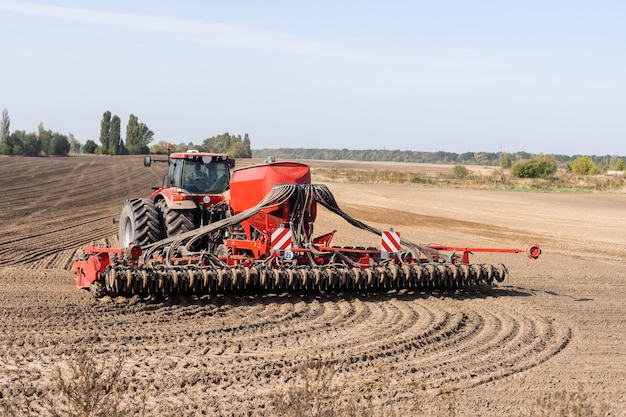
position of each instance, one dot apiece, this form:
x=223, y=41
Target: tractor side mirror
x=231, y=163
x=147, y=161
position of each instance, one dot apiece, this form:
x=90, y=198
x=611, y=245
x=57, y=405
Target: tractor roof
x=192, y=154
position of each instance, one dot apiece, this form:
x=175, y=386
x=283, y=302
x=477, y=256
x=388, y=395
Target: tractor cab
x=199, y=173
x=193, y=194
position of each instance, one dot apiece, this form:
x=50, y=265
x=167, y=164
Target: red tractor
x=192, y=195
x=207, y=231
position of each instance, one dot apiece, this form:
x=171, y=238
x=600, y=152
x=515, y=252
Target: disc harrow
x=192, y=279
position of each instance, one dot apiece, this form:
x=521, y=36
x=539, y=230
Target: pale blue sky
x=456, y=76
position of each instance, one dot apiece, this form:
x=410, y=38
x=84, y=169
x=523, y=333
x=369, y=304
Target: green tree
x=466, y=157
x=105, y=131
x=115, y=137
x=159, y=148
x=4, y=131
x=479, y=158
x=52, y=143
x=74, y=144
x=33, y=145
x=505, y=160
x=583, y=165
x=237, y=150
x=246, y=147
x=217, y=144
x=15, y=143
x=90, y=147
x=59, y=145
x=138, y=136
x=45, y=136
x=619, y=165
x=132, y=135
x=234, y=146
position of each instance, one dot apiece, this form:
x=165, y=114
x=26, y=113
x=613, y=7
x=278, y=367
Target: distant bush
x=583, y=165
x=619, y=165
x=506, y=161
x=460, y=172
x=540, y=167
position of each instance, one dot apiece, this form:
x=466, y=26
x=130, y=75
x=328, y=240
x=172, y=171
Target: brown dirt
x=556, y=324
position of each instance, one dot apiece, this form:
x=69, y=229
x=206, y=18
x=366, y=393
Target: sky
x=456, y=76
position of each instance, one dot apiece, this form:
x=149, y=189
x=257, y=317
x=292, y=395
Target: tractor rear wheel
x=139, y=223
x=175, y=221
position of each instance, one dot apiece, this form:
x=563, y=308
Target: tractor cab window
x=206, y=178
x=175, y=173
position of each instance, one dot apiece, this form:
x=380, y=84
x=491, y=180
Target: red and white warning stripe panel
x=390, y=242
x=281, y=239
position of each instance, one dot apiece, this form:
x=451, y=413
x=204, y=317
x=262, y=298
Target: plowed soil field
x=551, y=337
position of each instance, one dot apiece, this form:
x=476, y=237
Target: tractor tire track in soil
x=225, y=346
x=231, y=354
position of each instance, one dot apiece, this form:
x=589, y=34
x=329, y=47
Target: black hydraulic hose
x=326, y=199
x=277, y=196
x=303, y=195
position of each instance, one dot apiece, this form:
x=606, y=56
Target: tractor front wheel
x=139, y=223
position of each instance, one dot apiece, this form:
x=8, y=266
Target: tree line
x=48, y=143
x=138, y=137
x=43, y=142
x=232, y=145
x=502, y=159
